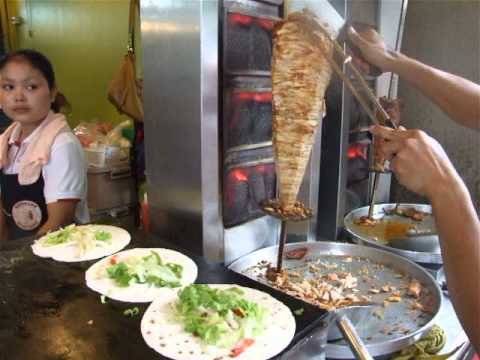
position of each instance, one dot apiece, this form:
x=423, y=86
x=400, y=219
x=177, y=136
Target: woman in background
x=43, y=179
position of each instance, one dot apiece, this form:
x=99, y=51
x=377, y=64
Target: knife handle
x=356, y=344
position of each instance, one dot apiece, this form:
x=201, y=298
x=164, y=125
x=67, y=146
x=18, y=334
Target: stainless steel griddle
x=390, y=328
x=426, y=225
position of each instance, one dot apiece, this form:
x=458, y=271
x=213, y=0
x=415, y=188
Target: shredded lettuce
x=103, y=236
x=59, y=237
x=149, y=269
x=131, y=311
x=219, y=317
x=85, y=237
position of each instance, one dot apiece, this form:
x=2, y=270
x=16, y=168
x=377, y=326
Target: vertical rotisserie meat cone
x=300, y=76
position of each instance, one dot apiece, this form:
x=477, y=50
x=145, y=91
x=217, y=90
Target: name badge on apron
x=27, y=214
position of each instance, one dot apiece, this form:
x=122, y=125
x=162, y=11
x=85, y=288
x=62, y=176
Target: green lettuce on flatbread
x=206, y=322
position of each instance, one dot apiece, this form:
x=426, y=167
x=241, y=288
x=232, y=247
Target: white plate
x=98, y=280
x=168, y=337
x=69, y=253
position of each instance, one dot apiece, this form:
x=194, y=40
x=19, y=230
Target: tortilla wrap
x=166, y=335
x=98, y=280
x=69, y=253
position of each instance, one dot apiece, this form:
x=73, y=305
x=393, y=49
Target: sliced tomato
x=241, y=346
x=238, y=312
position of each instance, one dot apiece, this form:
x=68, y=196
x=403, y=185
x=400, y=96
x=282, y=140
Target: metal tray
x=396, y=315
x=427, y=224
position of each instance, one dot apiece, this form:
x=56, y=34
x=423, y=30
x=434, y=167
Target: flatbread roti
x=167, y=336
x=69, y=251
x=98, y=280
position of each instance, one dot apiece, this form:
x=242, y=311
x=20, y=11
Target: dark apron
x=24, y=206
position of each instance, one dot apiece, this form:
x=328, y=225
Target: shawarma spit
x=300, y=76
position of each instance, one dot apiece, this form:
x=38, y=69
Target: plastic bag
x=89, y=133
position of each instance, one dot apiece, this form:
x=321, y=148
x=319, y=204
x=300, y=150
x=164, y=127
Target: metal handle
x=350, y=334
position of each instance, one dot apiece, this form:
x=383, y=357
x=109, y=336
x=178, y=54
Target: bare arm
x=459, y=230
x=60, y=213
x=421, y=164
x=456, y=96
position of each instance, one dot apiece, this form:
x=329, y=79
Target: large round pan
x=377, y=342
x=426, y=225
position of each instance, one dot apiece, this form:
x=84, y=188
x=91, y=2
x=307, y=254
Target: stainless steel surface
x=378, y=344
x=333, y=164
x=180, y=48
x=335, y=139
x=354, y=341
x=420, y=243
x=251, y=163
x=357, y=315
x=448, y=321
x=243, y=239
x=391, y=23
x=372, y=195
x=181, y=45
x=213, y=245
x=253, y=7
x=428, y=224
x=273, y=2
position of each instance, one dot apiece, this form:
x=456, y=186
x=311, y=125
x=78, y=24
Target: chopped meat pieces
x=393, y=299
x=296, y=254
x=414, y=288
x=275, y=277
x=365, y=221
x=332, y=277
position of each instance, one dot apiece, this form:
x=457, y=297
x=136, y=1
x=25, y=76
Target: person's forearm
x=54, y=223
x=60, y=213
x=458, y=97
x=459, y=231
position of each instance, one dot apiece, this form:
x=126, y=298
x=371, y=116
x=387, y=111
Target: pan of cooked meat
x=405, y=229
x=405, y=297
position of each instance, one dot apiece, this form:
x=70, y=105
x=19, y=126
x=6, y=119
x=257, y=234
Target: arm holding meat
x=421, y=164
x=456, y=96
x=60, y=214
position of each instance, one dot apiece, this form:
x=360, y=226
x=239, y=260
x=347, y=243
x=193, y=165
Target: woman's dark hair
x=39, y=62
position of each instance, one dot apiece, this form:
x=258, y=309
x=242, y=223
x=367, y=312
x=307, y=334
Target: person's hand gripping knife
x=421, y=165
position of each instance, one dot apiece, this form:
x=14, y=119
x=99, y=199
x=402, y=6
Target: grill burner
x=248, y=118
x=357, y=169
x=357, y=175
x=244, y=188
x=248, y=43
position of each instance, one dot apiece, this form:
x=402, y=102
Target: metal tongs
x=347, y=60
